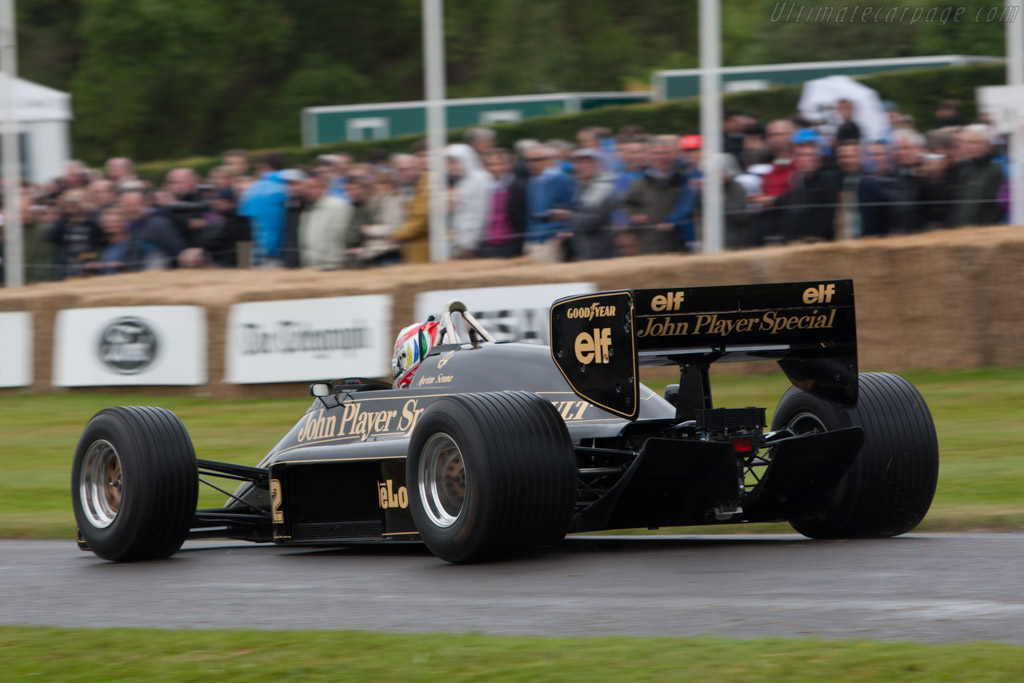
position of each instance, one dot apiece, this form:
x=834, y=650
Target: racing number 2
x=277, y=515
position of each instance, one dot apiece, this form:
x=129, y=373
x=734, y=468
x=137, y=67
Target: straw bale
x=943, y=300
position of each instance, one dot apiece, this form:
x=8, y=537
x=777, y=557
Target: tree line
x=158, y=79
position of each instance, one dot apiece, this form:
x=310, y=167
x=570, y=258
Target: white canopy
x=34, y=102
x=819, y=98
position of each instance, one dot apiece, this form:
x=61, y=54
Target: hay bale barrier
x=942, y=300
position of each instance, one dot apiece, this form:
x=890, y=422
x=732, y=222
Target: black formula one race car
x=498, y=450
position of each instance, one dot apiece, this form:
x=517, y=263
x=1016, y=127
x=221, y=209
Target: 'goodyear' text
x=590, y=312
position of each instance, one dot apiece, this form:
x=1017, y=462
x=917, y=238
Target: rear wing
x=599, y=341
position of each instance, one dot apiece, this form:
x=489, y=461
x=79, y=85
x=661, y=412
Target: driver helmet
x=412, y=346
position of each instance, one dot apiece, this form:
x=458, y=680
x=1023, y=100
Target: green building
x=321, y=125
x=676, y=83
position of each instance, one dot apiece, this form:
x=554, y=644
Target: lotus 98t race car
x=495, y=450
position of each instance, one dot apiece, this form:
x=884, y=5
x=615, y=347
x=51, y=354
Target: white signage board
x=1004, y=104
x=309, y=339
x=130, y=345
x=509, y=313
x=15, y=349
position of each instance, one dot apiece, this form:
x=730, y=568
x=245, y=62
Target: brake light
x=743, y=444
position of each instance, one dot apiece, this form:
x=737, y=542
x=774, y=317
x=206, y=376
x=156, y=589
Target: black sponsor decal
x=797, y=314
x=289, y=336
x=592, y=344
x=128, y=346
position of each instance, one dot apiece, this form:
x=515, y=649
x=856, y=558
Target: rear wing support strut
x=694, y=390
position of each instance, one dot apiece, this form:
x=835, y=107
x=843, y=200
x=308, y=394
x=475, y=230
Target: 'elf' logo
x=594, y=348
x=822, y=294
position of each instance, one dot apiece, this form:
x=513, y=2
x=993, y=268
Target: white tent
x=819, y=98
x=44, y=116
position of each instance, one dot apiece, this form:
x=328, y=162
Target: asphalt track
x=921, y=587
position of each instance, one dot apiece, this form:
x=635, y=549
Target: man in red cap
x=691, y=146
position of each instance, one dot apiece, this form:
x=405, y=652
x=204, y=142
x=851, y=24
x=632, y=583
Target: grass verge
x=979, y=416
x=152, y=655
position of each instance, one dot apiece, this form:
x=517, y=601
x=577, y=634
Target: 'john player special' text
x=770, y=322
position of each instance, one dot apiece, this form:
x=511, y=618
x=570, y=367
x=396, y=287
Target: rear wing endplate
x=599, y=341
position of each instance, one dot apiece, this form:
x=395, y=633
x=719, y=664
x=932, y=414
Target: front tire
x=890, y=485
x=134, y=484
x=491, y=476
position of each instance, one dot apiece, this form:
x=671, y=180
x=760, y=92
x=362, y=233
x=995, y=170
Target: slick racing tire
x=134, y=484
x=889, y=486
x=491, y=476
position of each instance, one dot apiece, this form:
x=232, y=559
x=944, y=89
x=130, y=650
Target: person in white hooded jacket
x=470, y=199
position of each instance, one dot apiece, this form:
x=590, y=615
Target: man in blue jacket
x=264, y=204
x=549, y=188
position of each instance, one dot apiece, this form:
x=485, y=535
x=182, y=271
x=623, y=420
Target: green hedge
x=917, y=92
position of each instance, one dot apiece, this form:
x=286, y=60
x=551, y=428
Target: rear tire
x=491, y=476
x=889, y=487
x=134, y=484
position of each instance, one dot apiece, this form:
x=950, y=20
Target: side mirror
x=320, y=389
x=672, y=393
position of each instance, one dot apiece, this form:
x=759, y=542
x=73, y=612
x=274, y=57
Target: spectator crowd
x=601, y=196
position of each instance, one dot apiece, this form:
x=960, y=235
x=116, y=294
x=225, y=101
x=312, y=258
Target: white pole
x=14, y=247
x=434, y=66
x=1015, y=77
x=711, y=125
